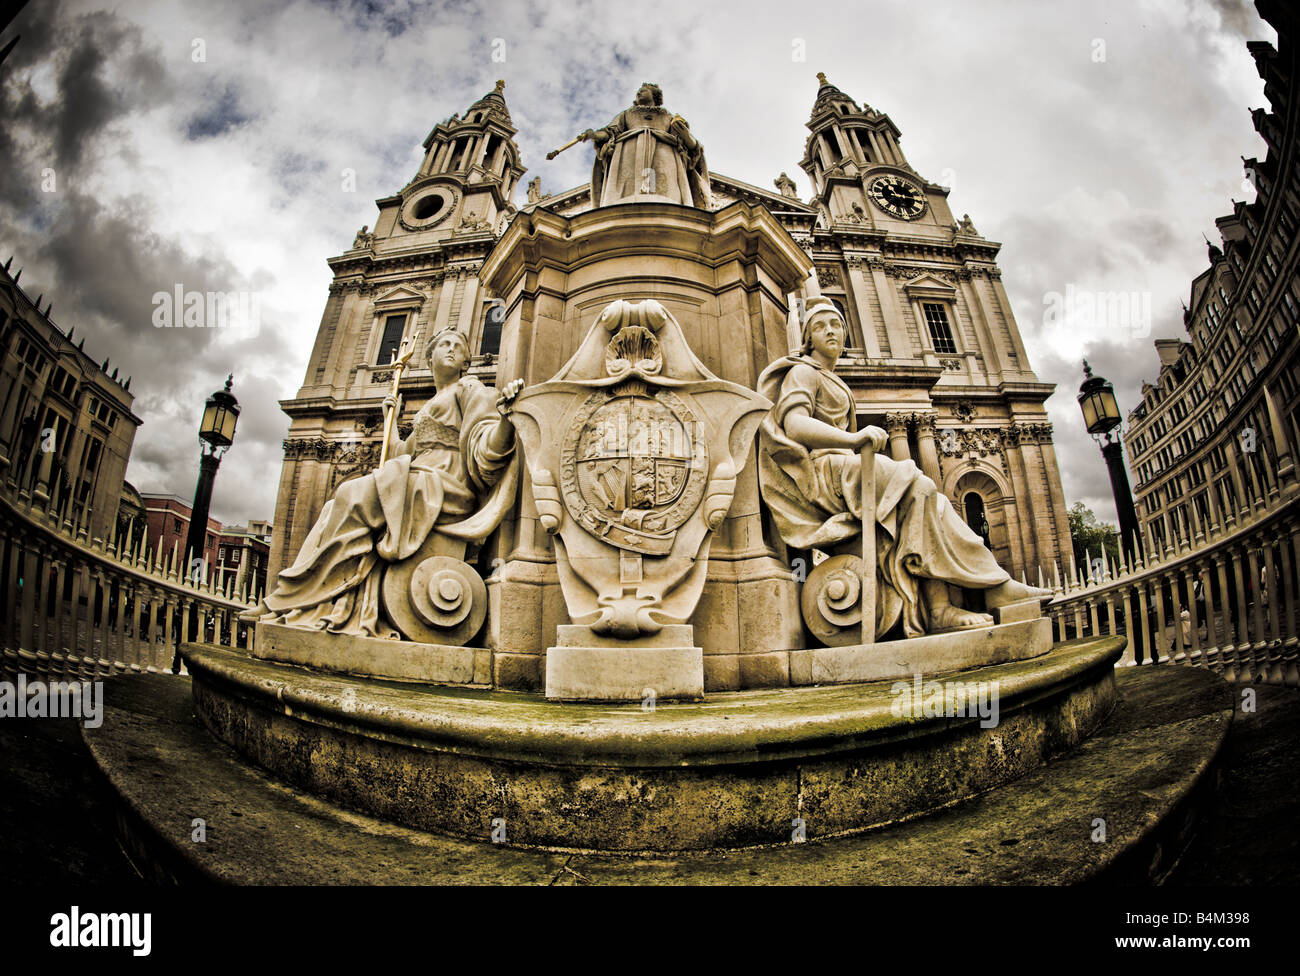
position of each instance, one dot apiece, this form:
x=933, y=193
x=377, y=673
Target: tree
x=1091, y=538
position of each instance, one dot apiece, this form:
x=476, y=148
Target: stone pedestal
x=374, y=657
x=726, y=277
x=583, y=666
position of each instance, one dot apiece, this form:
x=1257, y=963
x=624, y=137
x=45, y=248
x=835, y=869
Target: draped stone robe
x=641, y=139
x=445, y=466
x=816, y=500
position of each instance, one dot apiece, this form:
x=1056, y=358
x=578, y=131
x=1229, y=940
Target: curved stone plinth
x=1148, y=771
x=738, y=770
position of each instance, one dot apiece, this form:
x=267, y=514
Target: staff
x=572, y=142
x=398, y=363
x=868, y=456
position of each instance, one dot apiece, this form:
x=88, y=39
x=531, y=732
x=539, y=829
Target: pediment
x=929, y=286
x=400, y=295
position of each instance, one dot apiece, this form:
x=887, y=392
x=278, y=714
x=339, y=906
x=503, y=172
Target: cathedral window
x=493, y=317
x=936, y=317
x=394, y=327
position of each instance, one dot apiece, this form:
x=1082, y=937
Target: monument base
x=584, y=666
x=932, y=654
x=733, y=771
x=374, y=657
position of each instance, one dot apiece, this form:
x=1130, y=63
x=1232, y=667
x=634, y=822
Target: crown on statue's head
x=449, y=330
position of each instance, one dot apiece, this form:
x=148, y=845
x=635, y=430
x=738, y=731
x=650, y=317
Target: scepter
x=400, y=358
x=572, y=142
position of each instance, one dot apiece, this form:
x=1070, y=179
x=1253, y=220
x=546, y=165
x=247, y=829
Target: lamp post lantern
x=216, y=433
x=1101, y=417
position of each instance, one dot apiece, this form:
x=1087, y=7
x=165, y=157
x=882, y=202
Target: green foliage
x=1090, y=537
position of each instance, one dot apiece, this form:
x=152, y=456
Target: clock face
x=897, y=196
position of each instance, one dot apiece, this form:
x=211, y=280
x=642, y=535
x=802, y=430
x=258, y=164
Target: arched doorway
x=973, y=504
x=983, y=507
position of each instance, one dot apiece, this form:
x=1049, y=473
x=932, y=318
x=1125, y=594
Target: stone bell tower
x=470, y=170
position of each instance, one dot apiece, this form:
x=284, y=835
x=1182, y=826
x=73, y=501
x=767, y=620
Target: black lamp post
x=216, y=433
x=1101, y=417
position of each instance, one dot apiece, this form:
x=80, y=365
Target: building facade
x=1214, y=441
x=169, y=526
x=66, y=425
x=935, y=355
x=243, y=552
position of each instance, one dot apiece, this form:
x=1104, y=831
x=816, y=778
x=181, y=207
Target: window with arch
x=494, y=316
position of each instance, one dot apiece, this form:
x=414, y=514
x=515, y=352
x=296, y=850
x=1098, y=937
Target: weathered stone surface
x=375, y=656
x=725, y=773
x=931, y=654
x=1147, y=770
x=588, y=667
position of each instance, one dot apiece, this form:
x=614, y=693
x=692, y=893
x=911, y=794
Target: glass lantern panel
x=228, y=420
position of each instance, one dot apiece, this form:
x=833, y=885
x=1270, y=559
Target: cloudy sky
x=208, y=146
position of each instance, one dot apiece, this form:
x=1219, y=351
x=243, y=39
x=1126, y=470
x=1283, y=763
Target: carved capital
x=925, y=421
x=1036, y=433
x=897, y=423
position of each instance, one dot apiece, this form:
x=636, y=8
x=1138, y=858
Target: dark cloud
x=217, y=118
x=1239, y=17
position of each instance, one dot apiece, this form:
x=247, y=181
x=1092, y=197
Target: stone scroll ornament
x=633, y=450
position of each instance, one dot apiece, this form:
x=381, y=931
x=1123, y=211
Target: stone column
x=1179, y=653
x=58, y=652
x=1130, y=630
x=925, y=446
x=896, y=427
x=858, y=285
x=1241, y=629
x=74, y=618
x=105, y=651
x=27, y=622
x=1020, y=489
x=1258, y=636
x=1227, y=638
x=1234, y=469
x=169, y=621
x=1194, y=638
x=1158, y=584
x=1211, y=617
x=1274, y=651
x=891, y=312
x=134, y=647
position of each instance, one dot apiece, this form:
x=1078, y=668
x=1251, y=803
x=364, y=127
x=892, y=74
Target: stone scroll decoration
x=633, y=450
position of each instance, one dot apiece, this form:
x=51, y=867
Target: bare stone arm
x=502, y=437
x=814, y=434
